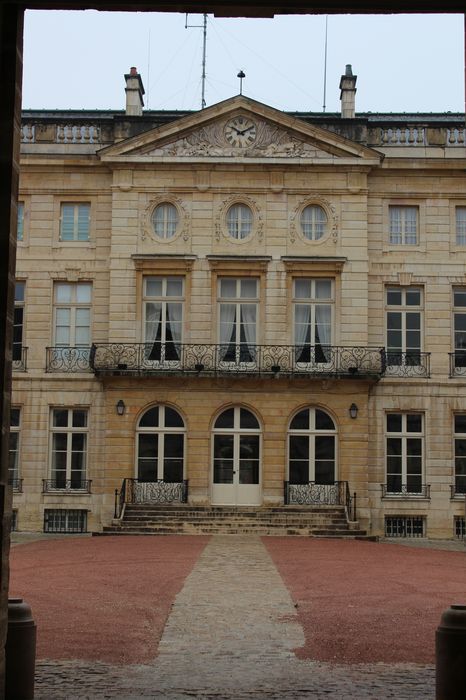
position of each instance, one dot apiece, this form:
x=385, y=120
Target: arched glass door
x=236, y=458
x=312, y=448
x=160, y=445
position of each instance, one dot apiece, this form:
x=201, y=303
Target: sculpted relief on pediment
x=269, y=140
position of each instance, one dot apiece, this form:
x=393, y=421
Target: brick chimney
x=134, y=91
x=348, y=93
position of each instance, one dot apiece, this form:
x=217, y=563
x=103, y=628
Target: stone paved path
x=231, y=635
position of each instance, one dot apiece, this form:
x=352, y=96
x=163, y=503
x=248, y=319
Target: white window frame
x=311, y=433
x=165, y=220
x=404, y=435
x=164, y=299
x=161, y=431
x=69, y=430
x=460, y=225
x=78, y=209
x=457, y=435
x=318, y=355
x=400, y=232
x=238, y=301
x=404, y=355
x=15, y=430
x=20, y=223
x=73, y=306
x=314, y=222
x=239, y=221
x=459, y=352
x=20, y=303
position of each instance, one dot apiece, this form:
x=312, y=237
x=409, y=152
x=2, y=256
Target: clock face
x=240, y=132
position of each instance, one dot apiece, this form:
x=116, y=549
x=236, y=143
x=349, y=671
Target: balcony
x=408, y=364
x=241, y=360
x=156, y=492
x=421, y=491
x=16, y=484
x=69, y=360
x=19, y=361
x=457, y=363
x=59, y=485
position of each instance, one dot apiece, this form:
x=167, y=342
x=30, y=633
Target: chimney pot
x=348, y=93
x=134, y=91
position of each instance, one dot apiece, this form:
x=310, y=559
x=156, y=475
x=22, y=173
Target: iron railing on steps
x=312, y=493
x=155, y=492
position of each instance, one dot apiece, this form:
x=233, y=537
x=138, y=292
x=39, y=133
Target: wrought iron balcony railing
x=66, y=485
x=457, y=363
x=421, y=491
x=407, y=364
x=20, y=356
x=311, y=493
x=241, y=359
x=157, y=491
x=458, y=489
x=16, y=484
x=67, y=359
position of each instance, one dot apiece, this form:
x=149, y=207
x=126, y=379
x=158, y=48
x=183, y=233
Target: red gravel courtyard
x=108, y=598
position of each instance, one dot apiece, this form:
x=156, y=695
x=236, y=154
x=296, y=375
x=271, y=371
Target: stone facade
x=359, y=174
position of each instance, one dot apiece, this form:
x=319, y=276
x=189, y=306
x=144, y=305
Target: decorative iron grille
x=65, y=521
x=16, y=484
x=19, y=364
x=460, y=527
x=68, y=360
x=14, y=520
x=407, y=492
x=407, y=364
x=58, y=484
x=405, y=526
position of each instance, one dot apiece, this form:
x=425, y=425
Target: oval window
x=165, y=220
x=239, y=221
x=313, y=222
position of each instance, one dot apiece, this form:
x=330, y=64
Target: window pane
x=461, y=225
x=460, y=423
x=83, y=293
x=153, y=287
x=323, y=289
x=301, y=421
x=173, y=446
x=228, y=288
x=394, y=422
x=225, y=419
x=414, y=423
x=79, y=419
x=60, y=418
x=302, y=289
x=394, y=446
x=150, y=419
x=20, y=225
x=19, y=291
x=174, y=287
x=413, y=297
x=299, y=447
x=394, y=296
x=459, y=296
x=15, y=414
x=323, y=421
x=173, y=418
x=248, y=289
x=248, y=420
x=325, y=447
x=63, y=293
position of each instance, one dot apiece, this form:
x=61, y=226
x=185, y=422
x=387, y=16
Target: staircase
x=184, y=519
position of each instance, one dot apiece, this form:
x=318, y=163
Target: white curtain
x=323, y=329
x=153, y=321
x=248, y=320
x=227, y=322
x=302, y=319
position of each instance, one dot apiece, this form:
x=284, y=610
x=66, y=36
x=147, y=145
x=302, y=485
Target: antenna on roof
x=325, y=62
x=202, y=26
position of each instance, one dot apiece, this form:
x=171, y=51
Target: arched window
x=160, y=445
x=312, y=448
x=165, y=220
x=236, y=457
x=313, y=222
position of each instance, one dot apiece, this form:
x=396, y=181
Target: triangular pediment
x=238, y=128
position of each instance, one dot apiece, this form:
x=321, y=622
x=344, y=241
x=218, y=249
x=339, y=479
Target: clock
x=240, y=132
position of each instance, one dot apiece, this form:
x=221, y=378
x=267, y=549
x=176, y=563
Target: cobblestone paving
x=231, y=635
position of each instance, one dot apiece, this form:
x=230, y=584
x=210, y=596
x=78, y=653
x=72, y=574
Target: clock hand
x=245, y=131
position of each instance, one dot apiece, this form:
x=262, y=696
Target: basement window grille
x=65, y=521
x=460, y=527
x=405, y=526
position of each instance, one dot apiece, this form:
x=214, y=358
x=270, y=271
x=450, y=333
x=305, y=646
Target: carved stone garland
x=328, y=207
x=220, y=218
x=183, y=223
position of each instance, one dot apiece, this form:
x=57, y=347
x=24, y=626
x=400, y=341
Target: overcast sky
x=404, y=63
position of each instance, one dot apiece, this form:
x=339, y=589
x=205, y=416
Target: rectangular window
x=18, y=323
x=65, y=521
x=238, y=300
x=163, y=318
x=460, y=225
x=404, y=453
x=405, y=526
x=72, y=314
x=404, y=325
x=313, y=302
x=460, y=527
x=13, y=463
x=459, y=326
x=20, y=224
x=14, y=520
x=68, y=459
x=460, y=453
x=75, y=222
x=404, y=225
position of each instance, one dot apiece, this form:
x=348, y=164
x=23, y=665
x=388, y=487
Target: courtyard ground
x=235, y=617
